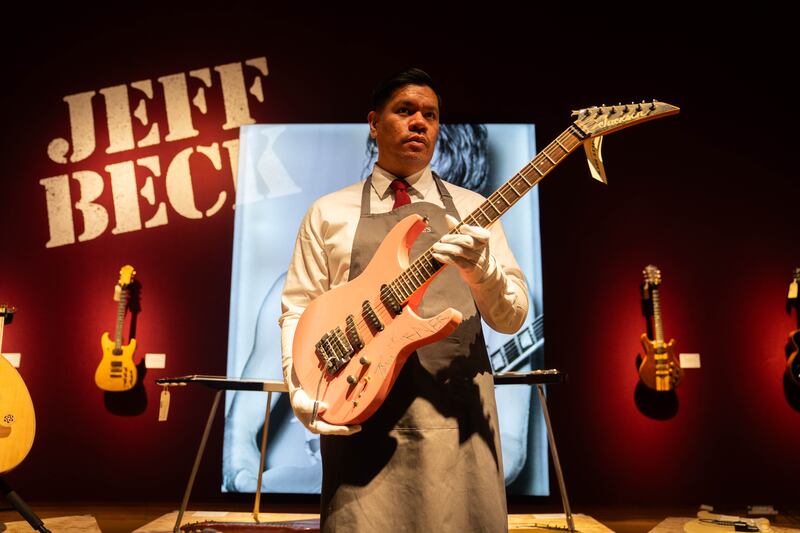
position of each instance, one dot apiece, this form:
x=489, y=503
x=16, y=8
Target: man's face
x=406, y=129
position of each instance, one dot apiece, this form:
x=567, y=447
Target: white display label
x=690, y=360
x=155, y=360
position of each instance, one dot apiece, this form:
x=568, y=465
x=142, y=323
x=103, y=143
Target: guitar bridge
x=334, y=350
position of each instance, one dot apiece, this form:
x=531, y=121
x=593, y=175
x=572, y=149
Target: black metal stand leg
x=196, y=466
x=257, y=506
x=22, y=507
x=556, y=462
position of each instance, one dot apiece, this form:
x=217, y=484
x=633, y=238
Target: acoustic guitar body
x=17, y=420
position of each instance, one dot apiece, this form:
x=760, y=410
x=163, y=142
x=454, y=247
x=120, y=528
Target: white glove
x=303, y=407
x=468, y=250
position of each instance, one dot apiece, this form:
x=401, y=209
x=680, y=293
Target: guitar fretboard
x=123, y=303
x=426, y=266
x=659, y=328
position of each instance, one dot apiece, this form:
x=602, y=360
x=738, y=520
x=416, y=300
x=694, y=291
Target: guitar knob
x=352, y=380
x=364, y=361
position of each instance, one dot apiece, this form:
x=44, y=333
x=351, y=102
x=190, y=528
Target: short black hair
x=412, y=76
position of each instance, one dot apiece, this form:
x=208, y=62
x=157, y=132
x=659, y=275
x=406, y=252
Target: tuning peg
x=653, y=105
x=639, y=107
x=625, y=109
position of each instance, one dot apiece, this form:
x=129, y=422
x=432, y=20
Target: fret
x=562, y=146
x=499, y=195
x=513, y=189
x=579, y=133
x=409, y=284
x=489, y=201
x=488, y=220
x=522, y=175
x=544, y=152
x=480, y=208
x=418, y=278
x=426, y=263
x=403, y=288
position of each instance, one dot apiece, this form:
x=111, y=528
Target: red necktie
x=400, y=188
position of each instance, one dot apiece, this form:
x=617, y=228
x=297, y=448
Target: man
x=429, y=459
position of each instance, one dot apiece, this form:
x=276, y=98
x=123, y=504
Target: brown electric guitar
x=17, y=420
x=117, y=371
x=352, y=342
x=659, y=370
x=793, y=363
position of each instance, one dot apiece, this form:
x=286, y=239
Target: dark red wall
x=709, y=196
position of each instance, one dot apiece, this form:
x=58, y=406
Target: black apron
x=429, y=459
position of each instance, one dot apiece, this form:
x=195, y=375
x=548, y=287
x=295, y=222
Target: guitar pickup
x=389, y=299
x=371, y=316
x=352, y=333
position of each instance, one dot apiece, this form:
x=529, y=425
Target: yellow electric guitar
x=659, y=369
x=17, y=421
x=116, y=371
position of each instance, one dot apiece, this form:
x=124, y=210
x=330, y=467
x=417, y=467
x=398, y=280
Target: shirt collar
x=419, y=183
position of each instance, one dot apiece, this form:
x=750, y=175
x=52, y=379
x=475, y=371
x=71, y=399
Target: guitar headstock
x=602, y=120
x=7, y=313
x=652, y=276
x=126, y=275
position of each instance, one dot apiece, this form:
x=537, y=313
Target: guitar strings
x=405, y=278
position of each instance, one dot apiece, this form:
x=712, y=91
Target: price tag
x=163, y=405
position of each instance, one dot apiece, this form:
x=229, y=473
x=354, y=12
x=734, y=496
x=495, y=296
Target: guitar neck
x=425, y=266
x=123, y=304
x=659, y=328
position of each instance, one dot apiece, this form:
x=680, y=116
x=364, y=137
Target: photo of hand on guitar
x=117, y=371
x=659, y=369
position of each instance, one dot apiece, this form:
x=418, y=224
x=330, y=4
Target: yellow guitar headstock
x=652, y=276
x=126, y=275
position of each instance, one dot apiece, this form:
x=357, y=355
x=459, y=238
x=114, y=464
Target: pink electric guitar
x=351, y=343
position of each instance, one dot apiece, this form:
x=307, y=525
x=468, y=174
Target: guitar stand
x=23, y=509
x=540, y=378
x=222, y=383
